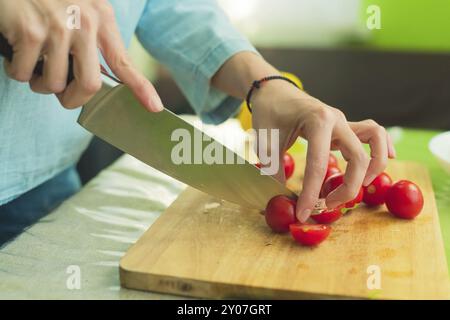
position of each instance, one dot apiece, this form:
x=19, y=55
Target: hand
x=37, y=29
x=280, y=105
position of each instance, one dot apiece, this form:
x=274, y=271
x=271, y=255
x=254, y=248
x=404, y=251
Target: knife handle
x=7, y=52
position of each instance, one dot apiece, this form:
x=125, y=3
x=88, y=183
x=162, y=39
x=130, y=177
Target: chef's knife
x=115, y=116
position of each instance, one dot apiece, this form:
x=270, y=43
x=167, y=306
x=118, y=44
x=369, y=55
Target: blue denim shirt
x=192, y=38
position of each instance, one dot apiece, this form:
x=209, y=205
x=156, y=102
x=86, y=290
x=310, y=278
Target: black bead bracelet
x=257, y=84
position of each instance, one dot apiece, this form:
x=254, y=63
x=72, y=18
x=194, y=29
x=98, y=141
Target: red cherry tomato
x=355, y=202
x=309, y=234
x=289, y=165
x=404, y=199
x=331, y=183
x=331, y=171
x=335, y=181
x=280, y=213
x=332, y=161
x=375, y=192
x=329, y=216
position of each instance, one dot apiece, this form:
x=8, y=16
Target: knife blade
x=115, y=116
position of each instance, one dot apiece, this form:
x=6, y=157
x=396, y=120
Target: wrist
x=275, y=92
x=236, y=76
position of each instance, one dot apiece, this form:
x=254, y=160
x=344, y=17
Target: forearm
x=238, y=73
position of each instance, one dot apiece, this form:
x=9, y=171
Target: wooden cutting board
x=204, y=247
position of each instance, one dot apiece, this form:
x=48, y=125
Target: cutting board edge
x=196, y=288
x=217, y=290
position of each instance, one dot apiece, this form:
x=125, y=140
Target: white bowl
x=440, y=148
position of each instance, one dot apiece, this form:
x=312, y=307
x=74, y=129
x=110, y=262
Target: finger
x=370, y=132
x=357, y=164
x=315, y=170
x=391, y=148
x=56, y=65
x=25, y=57
x=378, y=153
x=116, y=57
x=87, y=79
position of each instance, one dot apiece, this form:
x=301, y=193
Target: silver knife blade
x=115, y=116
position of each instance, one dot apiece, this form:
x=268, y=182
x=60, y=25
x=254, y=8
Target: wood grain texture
x=203, y=247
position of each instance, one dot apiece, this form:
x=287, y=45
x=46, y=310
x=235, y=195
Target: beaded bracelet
x=257, y=84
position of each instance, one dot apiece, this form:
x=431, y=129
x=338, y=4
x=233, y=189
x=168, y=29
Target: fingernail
x=304, y=215
x=156, y=103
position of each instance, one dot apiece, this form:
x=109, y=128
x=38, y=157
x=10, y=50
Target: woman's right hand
x=39, y=29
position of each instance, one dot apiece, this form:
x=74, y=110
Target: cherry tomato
x=331, y=183
x=332, y=161
x=289, y=165
x=335, y=181
x=328, y=216
x=375, y=192
x=280, y=213
x=331, y=171
x=355, y=202
x=309, y=234
x=404, y=199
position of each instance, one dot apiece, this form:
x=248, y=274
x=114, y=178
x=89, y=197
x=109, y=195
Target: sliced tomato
x=289, y=165
x=328, y=216
x=309, y=234
x=375, y=192
x=404, y=199
x=280, y=213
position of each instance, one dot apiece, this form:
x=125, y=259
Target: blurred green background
x=419, y=25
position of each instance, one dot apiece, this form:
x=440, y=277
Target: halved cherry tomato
x=335, y=181
x=280, y=213
x=289, y=165
x=375, y=192
x=328, y=216
x=332, y=161
x=331, y=171
x=404, y=199
x=309, y=234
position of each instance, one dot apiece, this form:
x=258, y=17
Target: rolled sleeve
x=193, y=39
